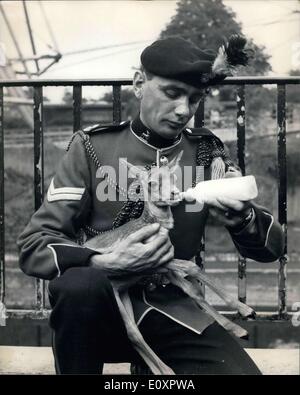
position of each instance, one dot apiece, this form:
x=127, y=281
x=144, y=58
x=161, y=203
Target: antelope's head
x=159, y=190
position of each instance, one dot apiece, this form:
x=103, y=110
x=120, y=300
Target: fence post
x=117, y=105
x=2, y=223
x=241, y=142
x=77, y=107
x=282, y=195
x=38, y=173
x=200, y=255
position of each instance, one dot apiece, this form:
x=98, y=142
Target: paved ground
x=39, y=360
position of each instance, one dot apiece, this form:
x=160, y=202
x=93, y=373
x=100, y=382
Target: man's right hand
x=143, y=251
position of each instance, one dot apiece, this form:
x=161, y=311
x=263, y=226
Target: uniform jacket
x=48, y=244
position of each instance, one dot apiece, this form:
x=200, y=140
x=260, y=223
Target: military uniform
x=48, y=245
x=86, y=321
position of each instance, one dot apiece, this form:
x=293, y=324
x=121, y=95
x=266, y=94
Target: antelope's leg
x=242, y=308
x=192, y=291
x=193, y=270
x=156, y=365
x=127, y=304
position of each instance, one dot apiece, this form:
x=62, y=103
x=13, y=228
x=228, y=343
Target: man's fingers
x=213, y=202
x=161, y=231
x=144, y=233
x=167, y=257
x=157, y=243
x=224, y=217
x=218, y=214
x=233, y=204
x=165, y=250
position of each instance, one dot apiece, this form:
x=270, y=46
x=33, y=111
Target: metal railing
x=40, y=310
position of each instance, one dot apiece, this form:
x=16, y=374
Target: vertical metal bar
x=241, y=140
x=242, y=278
x=200, y=255
x=200, y=262
x=77, y=107
x=38, y=171
x=240, y=125
x=117, y=105
x=282, y=195
x=38, y=147
x=199, y=116
x=2, y=223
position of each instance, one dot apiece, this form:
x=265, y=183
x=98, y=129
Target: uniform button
x=164, y=160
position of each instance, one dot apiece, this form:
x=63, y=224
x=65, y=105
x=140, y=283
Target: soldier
x=87, y=326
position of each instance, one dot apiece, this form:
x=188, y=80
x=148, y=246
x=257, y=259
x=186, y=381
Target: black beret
x=179, y=59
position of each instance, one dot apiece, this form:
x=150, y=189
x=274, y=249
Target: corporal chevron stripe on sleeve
x=65, y=193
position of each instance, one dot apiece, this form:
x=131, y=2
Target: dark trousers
x=88, y=331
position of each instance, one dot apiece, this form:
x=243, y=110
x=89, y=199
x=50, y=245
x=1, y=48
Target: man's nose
x=182, y=108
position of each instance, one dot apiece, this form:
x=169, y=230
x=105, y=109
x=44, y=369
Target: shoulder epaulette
x=105, y=128
x=201, y=132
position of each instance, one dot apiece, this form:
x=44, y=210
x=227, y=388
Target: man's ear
x=134, y=171
x=175, y=162
x=139, y=79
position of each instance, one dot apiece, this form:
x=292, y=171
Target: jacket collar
x=150, y=137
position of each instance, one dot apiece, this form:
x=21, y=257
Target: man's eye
x=172, y=94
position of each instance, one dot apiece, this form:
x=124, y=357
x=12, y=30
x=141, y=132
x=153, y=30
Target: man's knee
x=84, y=296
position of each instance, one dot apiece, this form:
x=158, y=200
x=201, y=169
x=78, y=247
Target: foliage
x=207, y=23
x=68, y=97
x=13, y=119
x=259, y=99
x=130, y=104
x=293, y=91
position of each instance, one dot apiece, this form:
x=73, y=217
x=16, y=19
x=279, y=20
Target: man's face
x=167, y=105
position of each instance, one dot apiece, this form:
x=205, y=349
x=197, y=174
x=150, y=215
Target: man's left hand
x=230, y=212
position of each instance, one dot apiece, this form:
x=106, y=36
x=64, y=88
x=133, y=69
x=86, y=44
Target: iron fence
x=40, y=310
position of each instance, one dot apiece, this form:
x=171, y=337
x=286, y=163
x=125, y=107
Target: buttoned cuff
x=69, y=255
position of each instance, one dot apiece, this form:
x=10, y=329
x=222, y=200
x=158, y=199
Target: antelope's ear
x=134, y=171
x=175, y=162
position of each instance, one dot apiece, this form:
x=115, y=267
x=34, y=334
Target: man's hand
x=143, y=251
x=230, y=212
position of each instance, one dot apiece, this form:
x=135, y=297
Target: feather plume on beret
x=230, y=55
